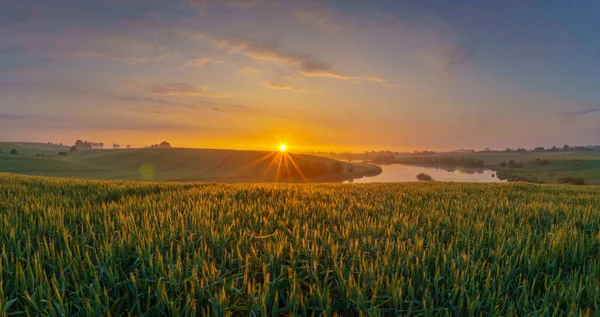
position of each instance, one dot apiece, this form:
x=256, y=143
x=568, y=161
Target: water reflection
x=408, y=173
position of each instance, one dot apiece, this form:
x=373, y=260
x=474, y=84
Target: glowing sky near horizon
x=323, y=75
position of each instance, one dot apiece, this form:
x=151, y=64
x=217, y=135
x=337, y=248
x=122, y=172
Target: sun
x=283, y=147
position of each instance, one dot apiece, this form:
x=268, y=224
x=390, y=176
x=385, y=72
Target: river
x=408, y=173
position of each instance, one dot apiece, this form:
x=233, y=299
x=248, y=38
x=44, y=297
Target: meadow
x=89, y=248
x=561, y=164
x=173, y=164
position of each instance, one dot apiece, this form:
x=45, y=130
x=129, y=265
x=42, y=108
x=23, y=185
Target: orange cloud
x=251, y=71
x=182, y=89
x=280, y=86
x=273, y=53
x=306, y=65
x=198, y=61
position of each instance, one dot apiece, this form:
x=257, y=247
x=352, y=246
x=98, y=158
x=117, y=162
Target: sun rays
x=282, y=165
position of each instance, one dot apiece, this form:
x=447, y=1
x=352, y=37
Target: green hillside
x=159, y=164
x=30, y=148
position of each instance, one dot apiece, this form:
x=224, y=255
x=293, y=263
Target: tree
x=164, y=144
x=128, y=146
x=424, y=177
x=81, y=145
x=566, y=147
x=116, y=146
x=14, y=152
x=73, y=148
x=539, y=149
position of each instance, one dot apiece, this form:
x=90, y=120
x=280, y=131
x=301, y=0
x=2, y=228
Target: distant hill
x=31, y=148
x=177, y=164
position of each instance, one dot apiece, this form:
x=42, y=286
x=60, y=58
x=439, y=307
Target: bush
x=513, y=164
x=14, y=152
x=566, y=180
x=571, y=180
x=538, y=161
x=424, y=177
x=73, y=148
x=502, y=164
x=62, y=153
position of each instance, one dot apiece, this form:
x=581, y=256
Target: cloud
x=196, y=105
x=122, y=47
x=251, y=71
x=304, y=64
x=382, y=82
x=182, y=89
x=114, y=57
x=581, y=111
x=148, y=100
x=280, y=86
x=447, y=57
x=62, y=122
x=198, y=61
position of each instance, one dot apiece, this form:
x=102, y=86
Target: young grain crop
x=71, y=247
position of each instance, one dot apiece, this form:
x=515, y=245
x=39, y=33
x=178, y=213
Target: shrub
x=566, y=180
x=14, y=152
x=538, y=161
x=424, y=177
x=513, y=164
x=572, y=180
x=62, y=153
x=502, y=164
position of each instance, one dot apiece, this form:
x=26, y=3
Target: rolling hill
x=178, y=164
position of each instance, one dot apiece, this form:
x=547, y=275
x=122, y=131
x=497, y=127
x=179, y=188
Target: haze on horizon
x=339, y=75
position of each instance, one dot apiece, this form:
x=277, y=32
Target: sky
x=319, y=75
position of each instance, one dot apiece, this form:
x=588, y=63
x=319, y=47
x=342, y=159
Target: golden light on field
x=282, y=164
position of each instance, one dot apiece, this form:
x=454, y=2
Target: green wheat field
x=91, y=248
